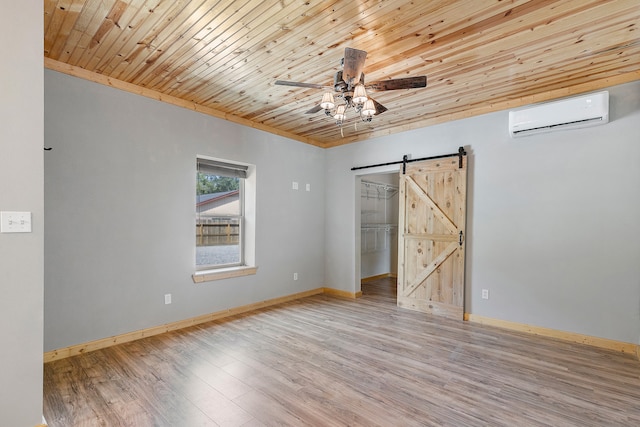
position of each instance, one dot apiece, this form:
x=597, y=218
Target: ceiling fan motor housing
x=338, y=84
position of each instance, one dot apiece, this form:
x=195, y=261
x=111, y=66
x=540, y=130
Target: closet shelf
x=378, y=218
x=378, y=226
x=374, y=190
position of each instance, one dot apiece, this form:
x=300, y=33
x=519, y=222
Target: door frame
x=358, y=177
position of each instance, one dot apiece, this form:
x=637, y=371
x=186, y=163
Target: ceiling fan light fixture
x=349, y=84
x=359, y=95
x=327, y=101
x=368, y=110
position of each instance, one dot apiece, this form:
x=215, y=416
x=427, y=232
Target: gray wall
x=120, y=216
x=553, y=227
x=552, y=218
x=21, y=189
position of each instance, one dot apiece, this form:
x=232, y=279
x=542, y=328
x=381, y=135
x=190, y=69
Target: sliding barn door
x=431, y=236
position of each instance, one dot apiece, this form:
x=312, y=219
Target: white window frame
x=247, y=264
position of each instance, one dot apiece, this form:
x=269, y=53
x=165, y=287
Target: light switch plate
x=15, y=222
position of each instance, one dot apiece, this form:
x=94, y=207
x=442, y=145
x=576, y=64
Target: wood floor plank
x=327, y=361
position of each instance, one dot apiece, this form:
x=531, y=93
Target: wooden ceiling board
x=192, y=42
x=172, y=30
x=136, y=37
x=257, y=53
x=75, y=32
x=222, y=57
x=109, y=44
x=224, y=65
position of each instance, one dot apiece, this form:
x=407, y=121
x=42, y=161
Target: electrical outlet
x=167, y=298
x=294, y=185
x=295, y=276
x=485, y=294
x=308, y=187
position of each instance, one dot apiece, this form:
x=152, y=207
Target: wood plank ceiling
x=222, y=57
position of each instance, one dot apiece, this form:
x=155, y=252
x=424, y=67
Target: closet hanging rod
x=379, y=185
x=405, y=159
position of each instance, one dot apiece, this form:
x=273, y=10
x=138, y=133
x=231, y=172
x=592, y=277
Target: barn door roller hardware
x=405, y=159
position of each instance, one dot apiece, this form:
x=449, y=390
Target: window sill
x=223, y=273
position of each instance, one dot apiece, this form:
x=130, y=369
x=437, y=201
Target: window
x=220, y=214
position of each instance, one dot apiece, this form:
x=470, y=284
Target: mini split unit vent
x=571, y=113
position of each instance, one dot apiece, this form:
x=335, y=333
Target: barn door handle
x=460, y=238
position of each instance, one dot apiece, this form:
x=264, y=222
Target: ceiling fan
x=349, y=85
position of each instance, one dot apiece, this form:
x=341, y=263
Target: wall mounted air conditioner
x=570, y=113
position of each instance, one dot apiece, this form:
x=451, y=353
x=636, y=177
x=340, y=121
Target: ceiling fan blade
x=353, y=65
x=298, y=84
x=314, y=109
x=379, y=107
x=394, y=84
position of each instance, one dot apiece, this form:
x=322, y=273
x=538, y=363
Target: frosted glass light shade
x=327, y=101
x=369, y=109
x=359, y=94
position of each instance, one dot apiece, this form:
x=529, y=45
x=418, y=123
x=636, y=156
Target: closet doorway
x=379, y=226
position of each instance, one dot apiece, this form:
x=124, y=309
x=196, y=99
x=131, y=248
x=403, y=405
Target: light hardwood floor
x=327, y=361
